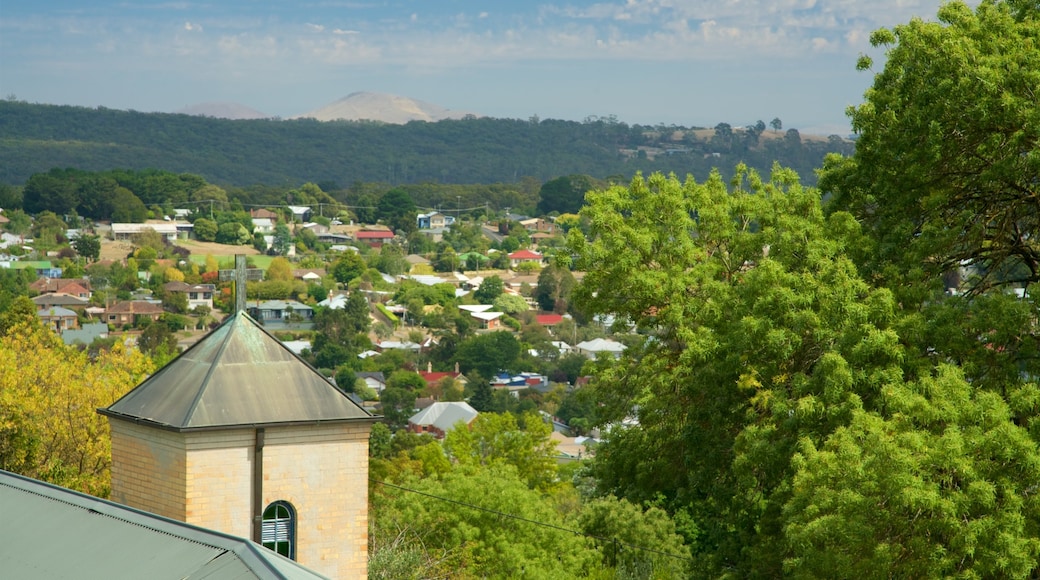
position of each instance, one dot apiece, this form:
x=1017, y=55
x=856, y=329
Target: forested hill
x=35, y=138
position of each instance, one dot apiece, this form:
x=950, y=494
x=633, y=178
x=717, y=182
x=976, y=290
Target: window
x=278, y=530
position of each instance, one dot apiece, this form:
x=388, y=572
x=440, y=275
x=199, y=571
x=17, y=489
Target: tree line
x=243, y=153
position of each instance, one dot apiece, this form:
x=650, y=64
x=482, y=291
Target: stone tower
x=240, y=435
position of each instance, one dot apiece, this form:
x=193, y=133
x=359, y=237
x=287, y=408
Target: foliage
x=205, y=229
x=496, y=438
x=944, y=173
x=468, y=542
x=488, y=354
x=348, y=267
x=511, y=304
x=554, y=288
x=279, y=269
x=428, y=160
x=88, y=246
x=941, y=485
x=564, y=194
x=621, y=525
x=490, y=289
x=49, y=429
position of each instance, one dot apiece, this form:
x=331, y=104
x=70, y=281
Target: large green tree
x=767, y=345
x=948, y=150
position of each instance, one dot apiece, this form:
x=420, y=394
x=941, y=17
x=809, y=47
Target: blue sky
x=687, y=62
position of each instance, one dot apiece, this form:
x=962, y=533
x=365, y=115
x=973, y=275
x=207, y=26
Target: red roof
x=525, y=255
x=434, y=378
x=374, y=234
x=549, y=319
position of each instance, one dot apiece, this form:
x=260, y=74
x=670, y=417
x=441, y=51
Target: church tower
x=239, y=435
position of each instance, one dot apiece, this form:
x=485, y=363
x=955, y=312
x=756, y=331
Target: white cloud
x=315, y=27
x=191, y=27
x=341, y=31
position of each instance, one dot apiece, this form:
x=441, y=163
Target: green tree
x=491, y=288
x=205, y=229
x=934, y=486
x=279, y=269
x=488, y=354
x=233, y=233
x=397, y=210
x=554, y=288
x=282, y=239
x=511, y=304
x=476, y=541
x=495, y=438
x=948, y=150
x=564, y=194
x=88, y=246
x=620, y=525
x=764, y=336
x=348, y=267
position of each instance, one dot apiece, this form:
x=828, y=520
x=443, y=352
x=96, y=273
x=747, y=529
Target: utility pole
x=458, y=207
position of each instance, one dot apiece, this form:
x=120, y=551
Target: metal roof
x=444, y=415
x=237, y=375
x=51, y=532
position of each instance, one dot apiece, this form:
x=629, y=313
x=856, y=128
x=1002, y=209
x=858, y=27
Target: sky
x=682, y=62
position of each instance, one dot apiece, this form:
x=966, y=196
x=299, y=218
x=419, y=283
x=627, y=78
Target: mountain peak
x=386, y=108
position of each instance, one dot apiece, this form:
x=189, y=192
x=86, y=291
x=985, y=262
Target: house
x=374, y=238
x=416, y=260
x=263, y=213
x=132, y=312
x=439, y=418
x=309, y=274
x=281, y=312
x=432, y=378
x=300, y=213
x=126, y=232
x=539, y=225
x=375, y=380
x=66, y=534
x=516, y=383
x=263, y=225
x=58, y=319
x=591, y=348
x=78, y=287
x=198, y=294
x=86, y=334
x=523, y=256
x=63, y=300
x=489, y=320
x=240, y=435
x=408, y=345
x=434, y=220
x=548, y=320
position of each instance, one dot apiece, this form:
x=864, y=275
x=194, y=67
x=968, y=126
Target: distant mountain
x=232, y=111
x=393, y=109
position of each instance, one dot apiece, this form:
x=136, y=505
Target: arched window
x=278, y=531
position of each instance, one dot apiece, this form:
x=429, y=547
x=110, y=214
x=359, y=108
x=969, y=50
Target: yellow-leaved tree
x=49, y=392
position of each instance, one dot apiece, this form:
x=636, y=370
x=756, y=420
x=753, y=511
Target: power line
x=613, y=541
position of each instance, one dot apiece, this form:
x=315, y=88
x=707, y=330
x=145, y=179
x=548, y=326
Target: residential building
x=374, y=238
x=123, y=232
x=441, y=417
x=281, y=312
x=591, y=348
x=131, y=312
x=58, y=319
x=434, y=220
x=198, y=294
x=78, y=287
x=522, y=256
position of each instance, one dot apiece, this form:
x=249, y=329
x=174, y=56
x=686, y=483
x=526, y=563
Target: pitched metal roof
x=444, y=415
x=52, y=532
x=237, y=375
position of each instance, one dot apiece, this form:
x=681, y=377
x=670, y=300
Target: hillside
x=36, y=138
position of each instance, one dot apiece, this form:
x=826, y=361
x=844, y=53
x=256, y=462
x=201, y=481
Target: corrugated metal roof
x=51, y=532
x=237, y=375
